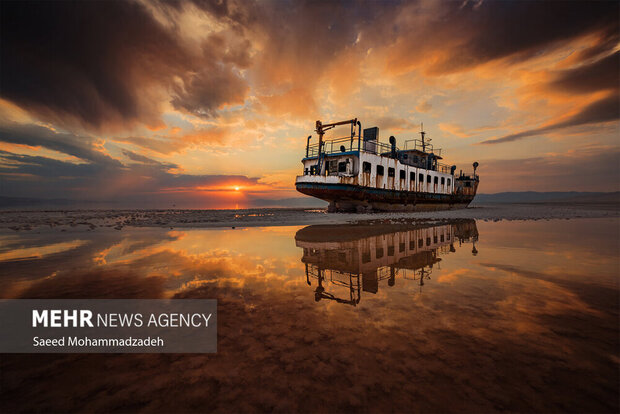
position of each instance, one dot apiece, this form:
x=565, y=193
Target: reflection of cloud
x=478, y=337
x=450, y=277
x=39, y=252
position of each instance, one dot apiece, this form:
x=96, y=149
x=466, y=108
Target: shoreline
x=90, y=220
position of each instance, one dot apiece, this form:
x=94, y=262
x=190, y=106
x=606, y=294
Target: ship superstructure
x=360, y=173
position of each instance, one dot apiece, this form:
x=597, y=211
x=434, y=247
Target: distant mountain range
x=549, y=197
x=310, y=202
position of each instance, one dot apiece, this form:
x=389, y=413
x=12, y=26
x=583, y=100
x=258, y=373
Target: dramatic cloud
x=82, y=147
x=96, y=175
x=214, y=136
x=105, y=65
x=207, y=90
x=114, y=99
x=604, y=110
x=45, y=178
x=146, y=160
x=602, y=74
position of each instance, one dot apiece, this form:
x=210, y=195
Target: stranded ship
x=359, y=173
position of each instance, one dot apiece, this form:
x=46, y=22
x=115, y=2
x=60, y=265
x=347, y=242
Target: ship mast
x=423, y=134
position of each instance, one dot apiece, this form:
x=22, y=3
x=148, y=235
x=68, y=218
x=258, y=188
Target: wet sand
x=511, y=316
x=90, y=220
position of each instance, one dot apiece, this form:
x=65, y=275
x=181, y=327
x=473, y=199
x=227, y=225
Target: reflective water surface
x=433, y=317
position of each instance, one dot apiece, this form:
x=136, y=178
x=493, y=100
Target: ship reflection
x=345, y=260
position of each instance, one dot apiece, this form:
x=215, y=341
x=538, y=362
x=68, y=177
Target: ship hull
x=350, y=197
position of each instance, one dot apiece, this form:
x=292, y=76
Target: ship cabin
x=361, y=159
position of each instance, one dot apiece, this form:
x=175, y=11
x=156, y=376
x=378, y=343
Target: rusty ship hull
x=349, y=197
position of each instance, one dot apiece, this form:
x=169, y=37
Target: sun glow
x=237, y=188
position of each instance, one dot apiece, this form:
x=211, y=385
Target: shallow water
x=436, y=317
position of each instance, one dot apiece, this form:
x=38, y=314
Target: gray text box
x=118, y=326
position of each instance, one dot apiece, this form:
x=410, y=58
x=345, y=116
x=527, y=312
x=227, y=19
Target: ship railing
x=466, y=175
x=444, y=168
x=336, y=145
x=336, y=277
x=333, y=146
x=416, y=144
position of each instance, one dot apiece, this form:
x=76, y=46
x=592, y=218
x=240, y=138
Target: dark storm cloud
x=96, y=175
x=241, y=12
x=521, y=26
x=84, y=60
x=602, y=74
x=45, y=168
x=81, y=147
x=146, y=160
x=515, y=29
x=607, y=42
x=98, y=63
x=26, y=175
x=204, y=91
x=603, y=110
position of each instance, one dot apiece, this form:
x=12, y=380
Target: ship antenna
x=422, y=133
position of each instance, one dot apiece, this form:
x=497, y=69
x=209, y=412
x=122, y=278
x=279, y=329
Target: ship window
x=402, y=175
x=420, y=243
x=435, y=239
x=332, y=167
x=436, y=180
x=421, y=178
x=366, y=167
x=379, y=252
x=391, y=172
x=467, y=184
x=401, y=247
x=390, y=250
x=412, y=245
x=443, y=180
x=380, y=169
x=441, y=238
x=412, y=177
x=448, y=182
x=342, y=167
x=366, y=257
x=428, y=178
x=428, y=241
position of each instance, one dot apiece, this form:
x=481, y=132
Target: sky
x=207, y=104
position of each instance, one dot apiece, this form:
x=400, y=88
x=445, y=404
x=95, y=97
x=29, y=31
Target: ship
x=358, y=173
x=345, y=262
